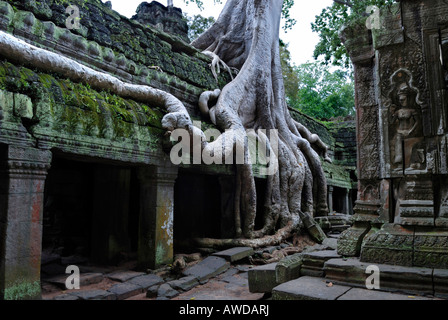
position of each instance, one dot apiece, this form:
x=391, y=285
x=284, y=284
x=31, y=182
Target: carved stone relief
x=407, y=150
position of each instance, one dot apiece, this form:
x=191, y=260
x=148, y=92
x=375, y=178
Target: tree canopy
x=316, y=89
x=324, y=93
x=329, y=22
x=287, y=4
x=197, y=25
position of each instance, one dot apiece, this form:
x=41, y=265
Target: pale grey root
x=245, y=36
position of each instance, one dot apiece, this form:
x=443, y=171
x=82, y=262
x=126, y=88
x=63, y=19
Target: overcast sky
x=301, y=39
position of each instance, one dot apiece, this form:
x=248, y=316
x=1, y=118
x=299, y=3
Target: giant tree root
x=245, y=37
x=271, y=240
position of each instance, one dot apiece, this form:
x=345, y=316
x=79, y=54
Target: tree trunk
x=246, y=37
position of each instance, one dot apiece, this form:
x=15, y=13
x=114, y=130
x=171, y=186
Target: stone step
x=308, y=288
x=207, y=268
x=313, y=262
x=315, y=288
x=412, y=280
x=235, y=254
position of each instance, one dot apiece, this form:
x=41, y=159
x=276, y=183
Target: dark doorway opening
x=91, y=212
x=197, y=206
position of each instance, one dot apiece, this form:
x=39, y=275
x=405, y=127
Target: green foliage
x=287, y=5
x=323, y=93
x=23, y=290
x=198, y=25
x=289, y=22
x=317, y=90
x=290, y=75
x=199, y=3
x=329, y=22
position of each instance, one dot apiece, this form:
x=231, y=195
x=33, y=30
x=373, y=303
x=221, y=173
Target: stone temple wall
x=115, y=146
x=45, y=116
x=401, y=102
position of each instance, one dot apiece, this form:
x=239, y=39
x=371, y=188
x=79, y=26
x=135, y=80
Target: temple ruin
x=87, y=172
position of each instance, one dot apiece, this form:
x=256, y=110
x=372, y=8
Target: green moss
x=23, y=290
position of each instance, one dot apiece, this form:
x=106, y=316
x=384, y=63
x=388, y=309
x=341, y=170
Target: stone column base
x=350, y=241
x=407, y=246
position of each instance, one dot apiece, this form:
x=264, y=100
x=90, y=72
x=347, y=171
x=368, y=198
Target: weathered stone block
x=146, y=281
x=349, y=243
x=431, y=248
x=440, y=277
x=184, y=283
x=23, y=106
x=125, y=290
x=262, y=278
x=235, y=254
x=288, y=268
x=392, y=244
x=166, y=291
x=124, y=276
x=85, y=279
x=308, y=288
x=313, y=262
x=392, y=278
x=94, y=295
x=207, y=268
x=372, y=295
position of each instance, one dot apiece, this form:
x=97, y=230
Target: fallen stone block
x=262, y=279
x=125, y=290
x=235, y=254
x=152, y=291
x=66, y=296
x=184, y=283
x=124, y=276
x=288, y=268
x=94, y=295
x=166, y=291
x=308, y=288
x=146, y=281
x=207, y=268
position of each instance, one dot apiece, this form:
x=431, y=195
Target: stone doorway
x=90, y=214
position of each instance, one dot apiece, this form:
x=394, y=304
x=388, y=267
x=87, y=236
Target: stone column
x=347, y=202
x=155, y=244
x=330, y=199
x=357, y=39
x=22, y=180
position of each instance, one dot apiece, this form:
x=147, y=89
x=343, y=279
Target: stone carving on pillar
x=407, y=150
x=357, y=40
